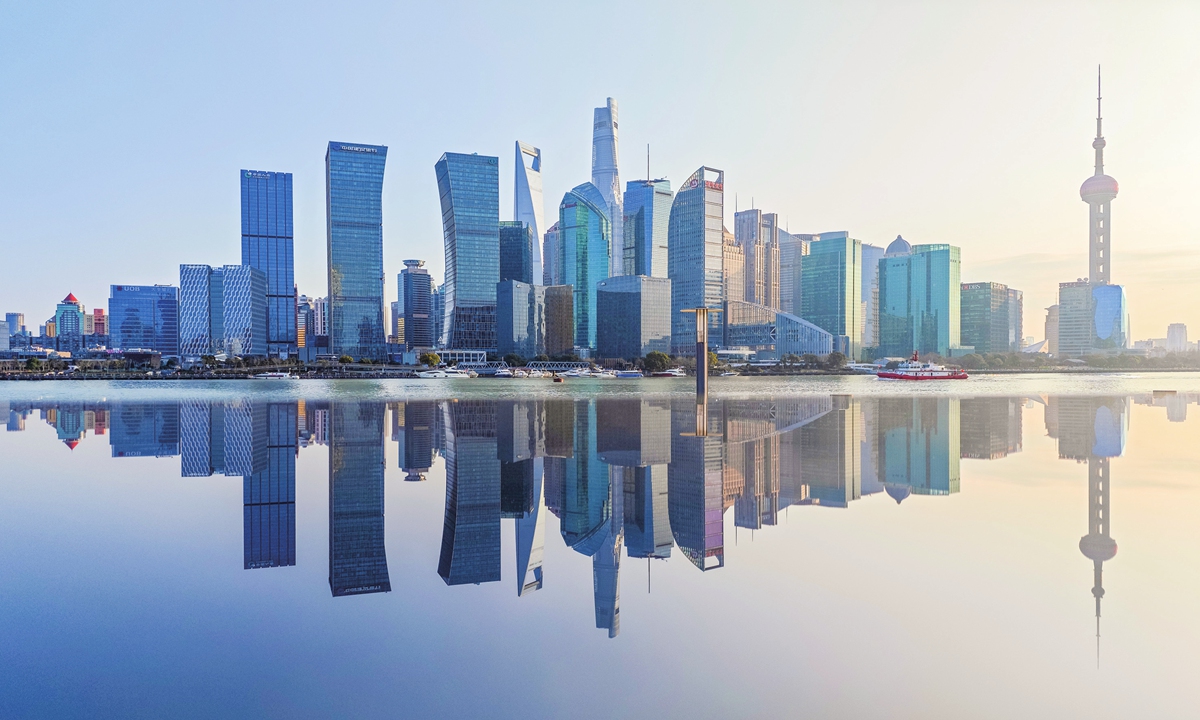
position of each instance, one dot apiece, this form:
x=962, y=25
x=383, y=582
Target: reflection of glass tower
x=357, y=557
x=145, y=430
x=919, y=447
x=695, y=484
x=412, y=429
x=471, y=531
x=269, y=495
x=990, y=427
x=831, y=447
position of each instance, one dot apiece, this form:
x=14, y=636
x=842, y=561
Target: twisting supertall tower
x=606, y=177
x=1098, y=192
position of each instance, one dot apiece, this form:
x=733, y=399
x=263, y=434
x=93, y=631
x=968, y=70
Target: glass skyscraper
x=920, y=300
x=831, y=289
x=354, y=228
x=695, y=259
x=516, y=252
x=991, y=317
x=144, y=317
x=415, y=305
x=223, y=310
x=469, y=187
x=267, y=246
x=647, y=216
x=634, y=316
x=585, y=235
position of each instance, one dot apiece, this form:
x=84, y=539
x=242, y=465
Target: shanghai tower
x=606, y=178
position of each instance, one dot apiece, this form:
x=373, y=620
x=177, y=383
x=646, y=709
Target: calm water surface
x=832, y=547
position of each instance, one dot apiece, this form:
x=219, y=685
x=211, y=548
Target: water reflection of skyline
x=639, y=477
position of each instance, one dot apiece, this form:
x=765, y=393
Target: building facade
x=267, y=246
x=528, y=205
x=992, y=317
x=414, y=307
x=585, y=236
x=792, y=249
x=758, y=235
x=1092, y=319
x=144, y=317
x=772, y=334
x=607, y=179
x=516, y=252
x=634, y=316
x=647, y=208
x=354, y=230
x=920, y=300
x=223, y=310
x=870, y=294
x=831, y=289
x=695, y=257
x=551, y=260
x=469, y=187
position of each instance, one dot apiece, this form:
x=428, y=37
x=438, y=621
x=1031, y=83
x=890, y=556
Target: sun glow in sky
x=963, y=123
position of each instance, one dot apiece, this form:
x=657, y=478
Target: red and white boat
x=914, y=369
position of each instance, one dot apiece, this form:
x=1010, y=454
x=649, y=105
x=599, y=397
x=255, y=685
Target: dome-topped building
x=899, y=246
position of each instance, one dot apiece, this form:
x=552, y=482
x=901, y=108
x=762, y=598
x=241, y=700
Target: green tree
x=835, y=360
x=712, y=359
x=809, y=359
x=431, y=359
x=514, y=360
x=345, y=359
x=656, y=361
x=33, y=364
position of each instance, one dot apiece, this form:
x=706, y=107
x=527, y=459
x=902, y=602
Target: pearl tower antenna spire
x=1098, y=192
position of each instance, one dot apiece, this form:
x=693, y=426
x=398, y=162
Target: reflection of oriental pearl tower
x=1097, y=546
x=1098, y=192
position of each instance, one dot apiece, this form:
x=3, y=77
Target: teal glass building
x=267, y=245
x=831, y=289
x=516, y=252
x=920, y=300
x=991, y=317
x=469, y=188
x=354, y=229
x=647, y=208
x=585, y=235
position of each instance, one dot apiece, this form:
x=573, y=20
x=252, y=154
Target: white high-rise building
x=527, y=199
x=1177, y=337
x=607, y=179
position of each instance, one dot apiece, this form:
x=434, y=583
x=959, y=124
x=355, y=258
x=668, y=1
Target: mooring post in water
x=701, y=348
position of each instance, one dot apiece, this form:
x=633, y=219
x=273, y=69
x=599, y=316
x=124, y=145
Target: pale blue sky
x=969, y=123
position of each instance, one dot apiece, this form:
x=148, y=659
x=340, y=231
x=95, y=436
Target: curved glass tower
x=354, y=228
x=469, y=187
x=605, y=176
x=695, y=256
x=528, y=206
x=586, y=238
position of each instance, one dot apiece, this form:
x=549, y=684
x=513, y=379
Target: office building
x=695, y=238
x=16, y=323
x=792, y=249
x=647, y=208
x=471, y=529
x=758, y=235
x=414, y=306
x=920, y=297
x=831, y=289
x=1177, y=337
x=357, y=555
x=4, y=337
x=992, y=317
x=772, y=334
x=267, y=247
x=551, y=257
x=69, y=324
x=1091, y=319
x=305, y=321
x=223, y=310
x=533, y=320
x=607, y=180
x=321, y=316
x=516, y=248
x=469, y=187
x=354, y=232
x=634, y=316
x=144, y=317
x=1052, y=330
x=528, y=205
x=733, y=267
x=871, y=255
x=585, y=235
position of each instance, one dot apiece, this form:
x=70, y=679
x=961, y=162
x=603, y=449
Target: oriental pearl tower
x=1098, y=192
x=1098, y=546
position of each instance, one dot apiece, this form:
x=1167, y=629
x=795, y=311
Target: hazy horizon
x=963, y=124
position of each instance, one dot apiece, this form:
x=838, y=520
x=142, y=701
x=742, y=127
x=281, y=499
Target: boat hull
x=888, y=375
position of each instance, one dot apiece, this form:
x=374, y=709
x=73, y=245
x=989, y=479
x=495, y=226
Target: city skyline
x=1007, y=198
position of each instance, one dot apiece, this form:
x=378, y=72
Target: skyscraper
x=992, y=317
x=870, y=294
x=354, y=229
x=647, y=208
x=551, y=262
x=634, y=316
x=145, y=317
x=415, y=305
x=516, y=247
x=267, y=246
x=16, y=322
x=920, y=299
x=585, y=235
x=695, y=236
x=605, y=176
x=469, y=187
x=195, y=316
x=792, y=249
x=831, y=289
x=223, y=310
x=528, y=205
x=758, y=235
x=68, y=323
x=1177, y=338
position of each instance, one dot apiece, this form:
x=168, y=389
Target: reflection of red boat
x=916, y=370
